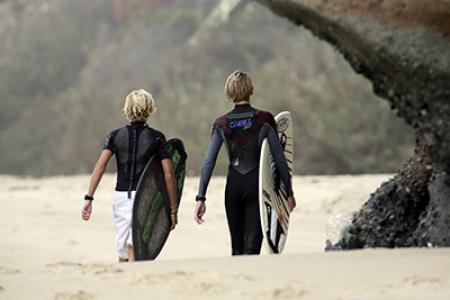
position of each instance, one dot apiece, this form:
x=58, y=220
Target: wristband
x=87, y=197
x=200, y=198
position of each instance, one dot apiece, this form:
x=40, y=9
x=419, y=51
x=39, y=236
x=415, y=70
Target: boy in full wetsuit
x=133, y=146
x=242, y=131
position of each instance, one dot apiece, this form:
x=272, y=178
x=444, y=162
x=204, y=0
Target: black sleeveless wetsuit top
x=133, y=146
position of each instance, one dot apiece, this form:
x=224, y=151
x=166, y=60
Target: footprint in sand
x=242, y=277
x=206, y=288
x=415, y=281
x=155, y=278
x=99, y=269
x=1, y=289
x=283, y=292
x=63, y=268
x=8, y=271
x=105, y=271
x=208, y=282
x=80, y=295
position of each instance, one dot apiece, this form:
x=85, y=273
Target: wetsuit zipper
x=133, y=163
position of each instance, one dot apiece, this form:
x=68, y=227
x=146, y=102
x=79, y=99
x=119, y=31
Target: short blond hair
x=139, y=105
x=239, y=86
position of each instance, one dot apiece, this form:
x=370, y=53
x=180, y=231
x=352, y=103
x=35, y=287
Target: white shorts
x=122, y=214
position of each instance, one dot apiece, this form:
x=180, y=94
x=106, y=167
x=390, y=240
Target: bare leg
x=122, y=260
x=130, y=253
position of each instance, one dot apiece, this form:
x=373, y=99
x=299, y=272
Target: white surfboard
x=273, y=203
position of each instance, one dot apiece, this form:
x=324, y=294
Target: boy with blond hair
x=133, y=146
x=242, y=131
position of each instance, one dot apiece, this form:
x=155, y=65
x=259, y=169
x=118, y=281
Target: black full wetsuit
x=242, y=131
x=133, y=145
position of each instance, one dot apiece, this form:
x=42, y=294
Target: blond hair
x=239, y=86
x=139, y=105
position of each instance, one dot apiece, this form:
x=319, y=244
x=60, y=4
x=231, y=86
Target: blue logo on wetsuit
x=245, y=123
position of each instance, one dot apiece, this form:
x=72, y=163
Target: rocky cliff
x=403, y=48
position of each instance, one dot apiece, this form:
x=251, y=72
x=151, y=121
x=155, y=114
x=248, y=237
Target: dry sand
x=48, y=252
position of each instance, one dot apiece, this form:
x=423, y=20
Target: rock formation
x=403, y=48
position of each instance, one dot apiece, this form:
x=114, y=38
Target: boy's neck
x=244, y=102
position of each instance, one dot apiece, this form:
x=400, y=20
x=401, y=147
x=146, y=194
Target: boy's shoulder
x=114, y=131
x=263, y=116
x=156, y=133
x=152, y=130
x=221, y=121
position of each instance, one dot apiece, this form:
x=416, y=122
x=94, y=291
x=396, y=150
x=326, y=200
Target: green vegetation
x=67, y=67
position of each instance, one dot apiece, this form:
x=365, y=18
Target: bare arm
x=207, y=170
x=99, y=170
x=280, y=161
x=169, y=178
x=96, y=176
x=209, y=162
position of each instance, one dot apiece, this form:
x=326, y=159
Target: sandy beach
x=48, y=252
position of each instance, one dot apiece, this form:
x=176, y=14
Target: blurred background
x=66, y=67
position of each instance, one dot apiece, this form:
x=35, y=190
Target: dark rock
x=403, y=48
